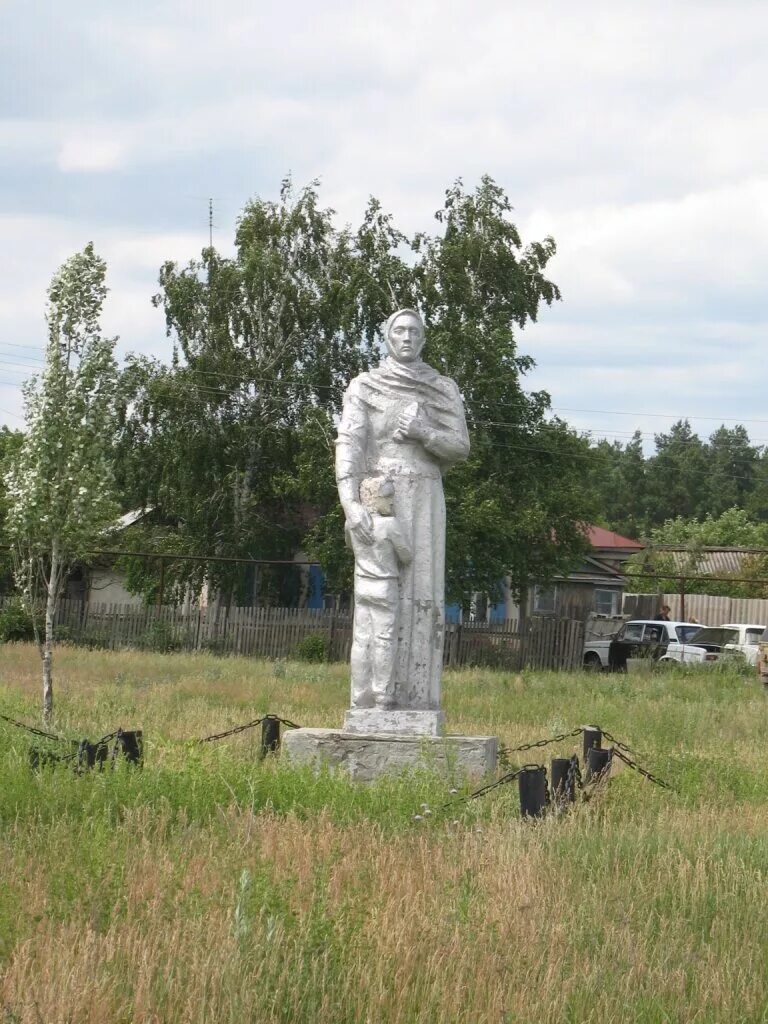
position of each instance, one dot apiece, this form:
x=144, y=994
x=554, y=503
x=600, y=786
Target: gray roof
x=709, y=561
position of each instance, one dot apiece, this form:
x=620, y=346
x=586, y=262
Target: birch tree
x=60, y=490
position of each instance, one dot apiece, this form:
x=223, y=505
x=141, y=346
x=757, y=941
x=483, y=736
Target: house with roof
x=594, y=587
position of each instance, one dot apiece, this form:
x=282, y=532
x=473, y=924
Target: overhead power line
x=328, y=387
x=287, y=385
x=295, y=385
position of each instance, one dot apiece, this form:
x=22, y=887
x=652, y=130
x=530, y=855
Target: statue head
x=404, y=335
x=377, y=494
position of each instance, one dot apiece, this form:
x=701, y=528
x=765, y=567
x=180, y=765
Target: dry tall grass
x=186, y=894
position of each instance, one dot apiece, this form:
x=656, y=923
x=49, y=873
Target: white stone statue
x=404, y=422
x=377, y=597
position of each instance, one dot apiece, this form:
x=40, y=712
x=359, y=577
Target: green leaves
x=60, y=481
x=233, y=445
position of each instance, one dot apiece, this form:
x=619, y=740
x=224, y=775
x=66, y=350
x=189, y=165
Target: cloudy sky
x=634, y=132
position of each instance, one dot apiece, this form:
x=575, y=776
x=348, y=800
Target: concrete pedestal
x=366, y=757
x=397, y=720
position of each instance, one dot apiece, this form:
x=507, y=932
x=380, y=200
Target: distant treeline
x=685, y=478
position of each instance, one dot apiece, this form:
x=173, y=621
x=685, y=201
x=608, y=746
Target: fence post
x=562, y=779
x=331, y=633
x=598, y=763
x=532, y=783
x=161, y=586
x=270, y=735
x=592, y=738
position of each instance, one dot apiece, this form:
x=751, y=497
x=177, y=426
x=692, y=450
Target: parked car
x=734, y=640
x=746, y=641
x=644, y=638
x=762, y=658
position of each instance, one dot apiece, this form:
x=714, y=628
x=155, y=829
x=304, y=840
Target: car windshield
x=715, y=635
x=684, y=633
x=753, y=635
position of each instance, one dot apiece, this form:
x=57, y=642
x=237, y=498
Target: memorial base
x=405, y=721
x=367, y=757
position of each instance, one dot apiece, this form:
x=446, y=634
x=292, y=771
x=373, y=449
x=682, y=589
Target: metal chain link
x=573, y=779
x=33, y=730
x=617, y=743
x=231, y=732
x=541, y=743
x=509, y=777
x=642, y=771
x=80, y=753
x=285, y=721
x=249, y=725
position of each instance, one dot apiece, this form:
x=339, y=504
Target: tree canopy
x=685, y=477
x=60, y=480
x=232, y=444
x=691, y=537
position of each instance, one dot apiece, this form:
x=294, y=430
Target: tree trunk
x=50, y=611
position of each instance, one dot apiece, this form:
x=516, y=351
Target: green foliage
x=312, y=648
x=685, y=478
x=16, y=622
x=232, y=445
x=733, y=528
x=60, y=481
x=517, y=505
x=60, y=484
x=161, y=637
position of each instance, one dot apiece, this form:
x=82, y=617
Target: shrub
x=16, y=622
x=162, y=637
x=214, y=645
x=312, y=648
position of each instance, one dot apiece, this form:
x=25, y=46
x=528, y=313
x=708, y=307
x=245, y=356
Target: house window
x=544, y=599
x=607, y=602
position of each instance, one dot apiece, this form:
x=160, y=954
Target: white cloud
x=635, y=133
x=89, y=152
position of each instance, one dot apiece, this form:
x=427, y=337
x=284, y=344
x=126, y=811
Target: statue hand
x=412, y=427
x=360, y=523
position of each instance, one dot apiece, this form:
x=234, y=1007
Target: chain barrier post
x=561, y=774
x=532, y=783
x=270, y=735
x=129, y=744
x=598, y=763
x=593, y=737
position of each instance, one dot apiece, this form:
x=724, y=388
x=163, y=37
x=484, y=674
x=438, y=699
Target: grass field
x=214, y=888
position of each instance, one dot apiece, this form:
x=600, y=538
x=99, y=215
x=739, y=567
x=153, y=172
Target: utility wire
x=202, y=389
x=552, y=408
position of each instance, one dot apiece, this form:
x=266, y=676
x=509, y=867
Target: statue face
x=405, y=339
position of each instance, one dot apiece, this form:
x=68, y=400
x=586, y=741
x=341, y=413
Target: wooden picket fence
x=254, y=632
x=540, y=642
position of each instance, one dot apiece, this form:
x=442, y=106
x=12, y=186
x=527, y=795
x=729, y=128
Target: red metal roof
x=600, y=538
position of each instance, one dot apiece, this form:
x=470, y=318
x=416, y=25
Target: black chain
x=285, y=721
x=249, y=725
x=509, y=777
x=617, y=743
x=573, y=780
x=642, y=771
x=35, y=732
x=80, y=753
x=541, y=743
x=231, y=732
